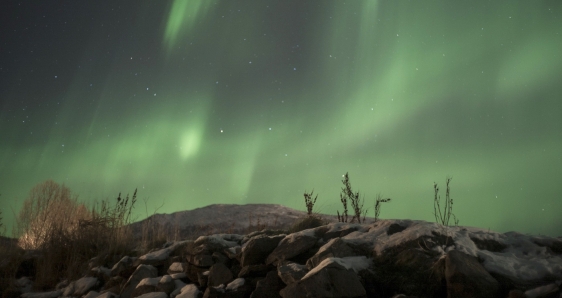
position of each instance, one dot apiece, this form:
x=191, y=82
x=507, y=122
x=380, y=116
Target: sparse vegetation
x=355, y=200
x=67, y=235
x=2, y=228
x=309, y=201
x=443, y=217
x=378, y=202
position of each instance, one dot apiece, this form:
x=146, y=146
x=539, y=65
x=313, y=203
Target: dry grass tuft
x=66, y=235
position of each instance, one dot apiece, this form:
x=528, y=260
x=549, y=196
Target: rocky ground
x=389, y=258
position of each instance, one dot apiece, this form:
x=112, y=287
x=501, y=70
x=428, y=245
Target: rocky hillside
x=220, y=218
x=389, y=258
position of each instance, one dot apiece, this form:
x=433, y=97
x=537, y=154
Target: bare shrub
x=378, y=202
x=49, y=207
x=355, y=200
x=67, y=234
x=309, y=201
x=444, y=217
x=2, y=227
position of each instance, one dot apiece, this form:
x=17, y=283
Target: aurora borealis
x=197, y=102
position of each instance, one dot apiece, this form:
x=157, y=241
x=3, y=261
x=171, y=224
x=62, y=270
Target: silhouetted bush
x=444, y=217
x=309, y=201
x=67, y=235
x=378, y=202
x=356, y=202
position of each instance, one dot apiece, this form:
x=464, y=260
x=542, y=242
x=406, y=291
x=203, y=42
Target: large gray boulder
x=147, y=285
x=219, y=274
x=188, y=291
x=200, y=260
x=466, y=277
x=114, y=285
x=291, y=246
x=238, y=288
x=336, y=230
x=336, y=247
x=142, y=272
x=192, y=272
x=124, y=267
x=177, y=267
x=255, y=270
x=413, y=267
x=291, y=272
x=258, y=248
x=154, y=295
x=166, y=284
x=269, y=287
x=81, y=286
x=329, y=279
x=210, y=244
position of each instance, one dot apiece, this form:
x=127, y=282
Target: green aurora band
x=201, y=102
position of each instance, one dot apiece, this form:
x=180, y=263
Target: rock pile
x=389, y=258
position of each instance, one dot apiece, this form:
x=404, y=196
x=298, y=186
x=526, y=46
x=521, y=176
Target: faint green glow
x=182, y=16
x=190, y=143
x=534, y=64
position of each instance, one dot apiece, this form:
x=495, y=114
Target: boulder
x=192, y=272
x=220, y=258
x=395, y=228
x=142, y=272
x=291, y=246
x=81, y=286
x=124, y=267
x=108, y=295
x=154, y=295
x=329, y=279
x=291, y=272
x=238, y=288
x=51, y=294
x=177, y=267
x=410, y=269
x=155, y=258
x=189, y=291
x=210, y=244
x=147, y=285
x=266, y=232
x=92, y=294
x=233, y=253
x=203, y=278
x=114, y=284
x=268, y=287
x=200, y=260
x=166, y=284
x=548, y=290
x=258, y=248
x=219, y=274
x=336, y=247
x=336, y=230
x=255, y=271
x=466, y=277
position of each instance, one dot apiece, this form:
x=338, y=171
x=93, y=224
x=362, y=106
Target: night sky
x=201, y=102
